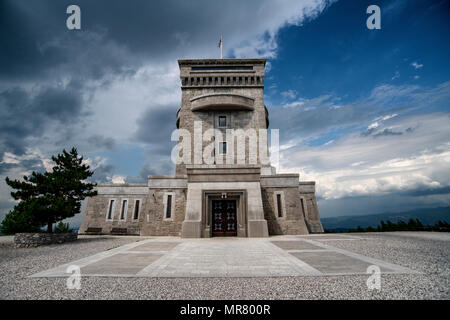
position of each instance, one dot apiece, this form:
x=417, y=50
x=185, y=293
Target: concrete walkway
x=227, y=257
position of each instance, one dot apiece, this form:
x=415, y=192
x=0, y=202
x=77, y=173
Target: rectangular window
x=123, y=213
x=222, y=121
x=222, y=147
x=111, y=209
x=136, y=209
x=169, y=207
x=280, y=213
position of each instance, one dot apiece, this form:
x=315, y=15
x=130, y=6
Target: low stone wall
x=27, y=240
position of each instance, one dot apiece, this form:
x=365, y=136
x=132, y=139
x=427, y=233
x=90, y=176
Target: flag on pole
x=220, y=46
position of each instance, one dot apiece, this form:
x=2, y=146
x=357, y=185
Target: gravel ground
x=425, y=252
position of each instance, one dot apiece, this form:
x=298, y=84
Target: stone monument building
x=216, y=190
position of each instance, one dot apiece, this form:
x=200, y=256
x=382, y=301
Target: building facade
x=224, y=184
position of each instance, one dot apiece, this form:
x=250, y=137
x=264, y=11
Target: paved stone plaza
x=227, y=257
x=414, y=265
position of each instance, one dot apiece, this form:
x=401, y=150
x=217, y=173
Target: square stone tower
x=222, y=108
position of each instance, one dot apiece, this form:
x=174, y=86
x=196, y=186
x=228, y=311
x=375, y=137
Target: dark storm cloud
x=387, y=132
x=102, y=173
x=30, y=164
x=5, y=207
x=102, y=142
x=157, y=166
x=121, y=35
x=26, y=114
x=428, y=191
x=20, y=32
x=373, y=204
x=374, y=132
x=368, y=132
x=37, y=44
x=59, y=104
x=115, y=40
x=155, y=127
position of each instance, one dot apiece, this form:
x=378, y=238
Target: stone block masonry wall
x=97, y=209
x=310, y=209
x=151, y=220
x=158, y=224
x=27, y=240
x=244, y=120
x=292, y=222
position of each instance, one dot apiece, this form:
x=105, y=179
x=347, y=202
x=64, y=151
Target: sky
x=364, y=113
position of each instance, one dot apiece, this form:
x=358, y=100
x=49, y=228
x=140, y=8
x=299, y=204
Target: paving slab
x=335, y=263
x=157, y=246
x=295, y=245
x=122, y=263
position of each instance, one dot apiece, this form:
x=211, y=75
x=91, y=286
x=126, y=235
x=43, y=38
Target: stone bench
x=119, y=231
x=92, y=230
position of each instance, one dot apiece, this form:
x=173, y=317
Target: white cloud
x=396, y=75
x=295, y=104
x=32, y=154
x=358, y=165
x=389, y=116
x=289, y=94
x=10, y=158
x=117, y=179
x=416, y=65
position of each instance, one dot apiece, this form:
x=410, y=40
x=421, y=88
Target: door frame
x=241, y=210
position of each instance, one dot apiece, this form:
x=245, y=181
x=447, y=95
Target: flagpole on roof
x=221, y=46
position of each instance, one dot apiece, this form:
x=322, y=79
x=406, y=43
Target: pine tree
x=401, y=226
x=389, y=226
x=412, y=225
x=46, y=198
x=419, y=224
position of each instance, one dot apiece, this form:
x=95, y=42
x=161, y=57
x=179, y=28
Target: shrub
x=62, y=227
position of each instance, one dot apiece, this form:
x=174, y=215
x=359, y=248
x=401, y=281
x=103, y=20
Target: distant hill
x=428, y=216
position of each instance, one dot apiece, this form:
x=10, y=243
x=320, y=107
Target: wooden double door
x=224, y=220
